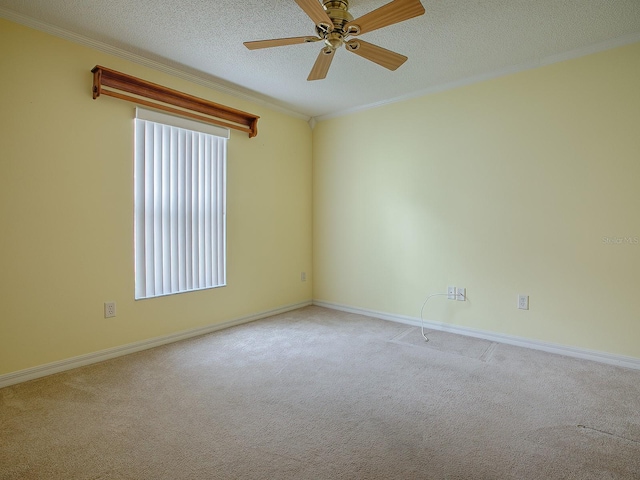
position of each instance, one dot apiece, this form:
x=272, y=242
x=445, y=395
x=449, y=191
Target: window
x=180, y=204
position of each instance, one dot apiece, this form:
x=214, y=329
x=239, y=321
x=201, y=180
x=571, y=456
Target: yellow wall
x=504, y=187
x=66, y=209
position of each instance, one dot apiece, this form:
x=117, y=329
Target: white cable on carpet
x=422, y=309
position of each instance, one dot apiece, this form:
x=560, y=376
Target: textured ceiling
x=455, y=42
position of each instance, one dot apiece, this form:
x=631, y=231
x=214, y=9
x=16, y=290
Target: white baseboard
x=596, y=356
x=95, y=357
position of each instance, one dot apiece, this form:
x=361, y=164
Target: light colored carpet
x=320, y=394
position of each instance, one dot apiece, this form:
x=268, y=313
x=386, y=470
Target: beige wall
x=66, y=209
x=504, y=187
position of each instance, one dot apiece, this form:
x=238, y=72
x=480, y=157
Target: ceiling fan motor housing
x=338, y=11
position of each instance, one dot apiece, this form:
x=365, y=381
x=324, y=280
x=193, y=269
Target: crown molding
x=238, y=92
x=144, y=61
x=561, y=57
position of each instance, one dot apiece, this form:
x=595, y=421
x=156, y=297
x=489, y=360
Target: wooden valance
x=159, y=97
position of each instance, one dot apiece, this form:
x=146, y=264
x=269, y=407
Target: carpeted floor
x=321, y=394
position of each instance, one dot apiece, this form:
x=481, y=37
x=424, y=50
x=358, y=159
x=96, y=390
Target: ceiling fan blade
x=323, y=62
x=316, y=12
x=381, y=56
x=279, y=42
x=393, y=12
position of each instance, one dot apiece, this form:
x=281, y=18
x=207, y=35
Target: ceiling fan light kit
x=334, y=25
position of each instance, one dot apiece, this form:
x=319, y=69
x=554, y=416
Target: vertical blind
x=180, y=205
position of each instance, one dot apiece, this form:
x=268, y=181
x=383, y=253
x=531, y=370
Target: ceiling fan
x=334, y=24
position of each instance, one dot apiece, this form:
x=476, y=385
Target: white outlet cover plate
x=109, y=309
x=523, y=302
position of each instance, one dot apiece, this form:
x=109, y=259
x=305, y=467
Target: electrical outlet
x=109, y=309
x=451, y=293
x=303, y=276
x=461, y=294
x=523, y=302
